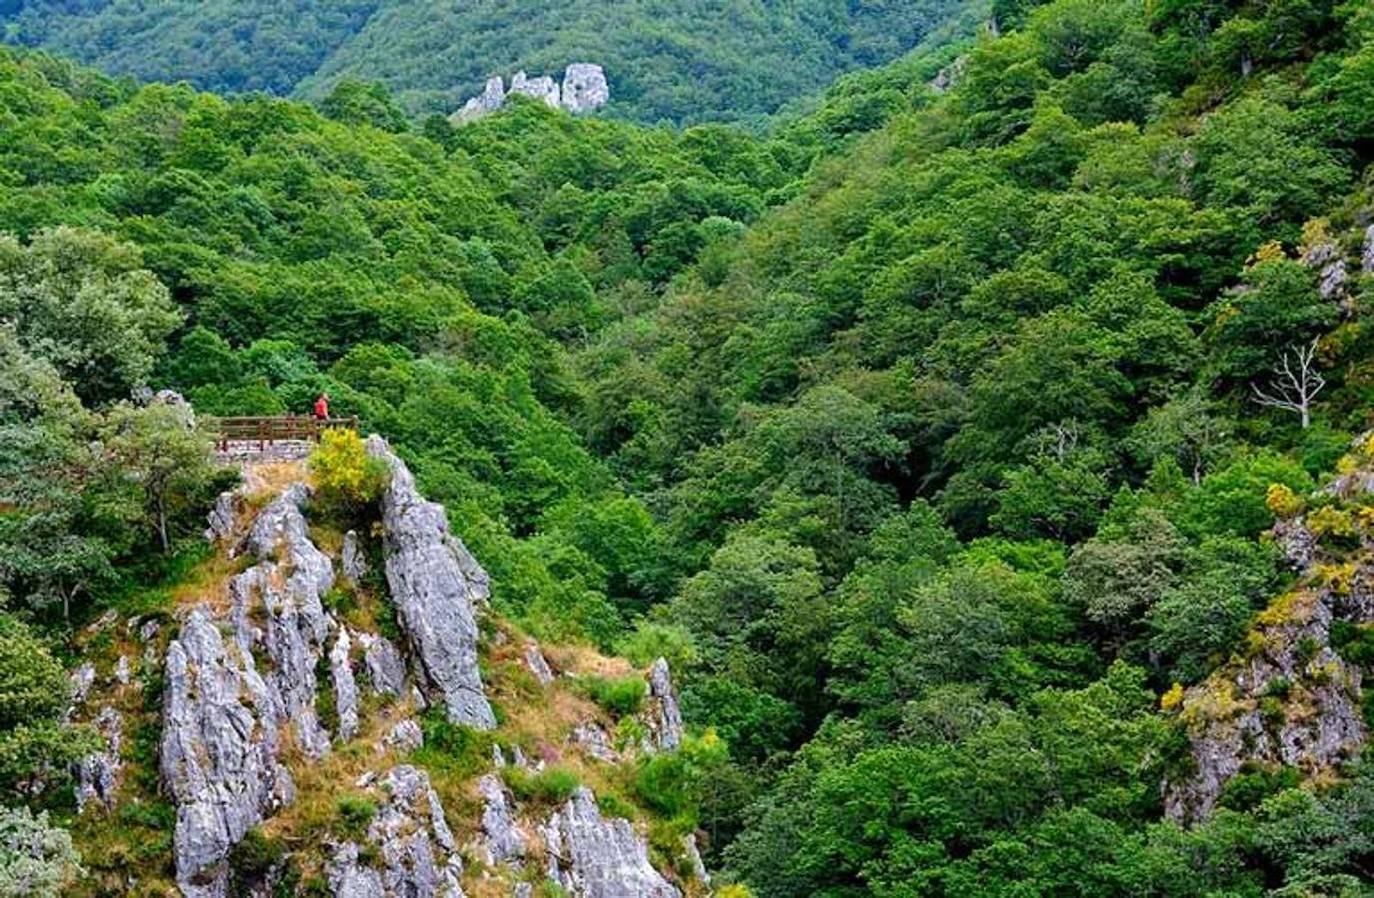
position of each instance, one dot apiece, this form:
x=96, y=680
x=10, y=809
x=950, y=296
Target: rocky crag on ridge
x=1292, y=699
x=298, y=698
x=584, y=88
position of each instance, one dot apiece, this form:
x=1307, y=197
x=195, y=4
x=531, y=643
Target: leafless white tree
x=1296, y=382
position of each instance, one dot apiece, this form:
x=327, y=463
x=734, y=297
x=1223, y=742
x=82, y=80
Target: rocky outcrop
x=593, y=740
x=501, y=836
x=534, y=660
x=1289, y=699
x=97, y=775
x=345, y=687
x=592, y=857
x=386, y=671
x=352, y=559
x=418, y=858
x=435, y=584
x=543, y=88
x=584, y=88
x=219, y=753
x=235, y=683
x=404, y=736
x=1367, y=251
x=220, y=521
x=1295, y=702
x=665, y=724
x=277, y=611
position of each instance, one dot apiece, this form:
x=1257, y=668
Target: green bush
x=620, y=696
x=550, y=786
x=355, y=813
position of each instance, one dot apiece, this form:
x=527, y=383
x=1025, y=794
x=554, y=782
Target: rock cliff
x=1290, y=699
x=583, y=89
x=294, y=738
x=434, y=585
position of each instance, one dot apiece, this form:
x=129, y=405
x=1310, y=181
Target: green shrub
x=453, y=748
x=355, y=813
x=620, y=696
x=553, y=785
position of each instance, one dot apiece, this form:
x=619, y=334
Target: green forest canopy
x=682, y=62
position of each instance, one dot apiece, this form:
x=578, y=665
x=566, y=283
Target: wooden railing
x=271, y=429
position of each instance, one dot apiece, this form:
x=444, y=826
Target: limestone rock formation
x=666, y=721
x=345, y=687
x=592, y=857
x=386, y=671
x=1290, y=700
x=1367, y=251
x=416, y=848
x=97, y=775
x=584, y=87
x=220, y=521
x=593, y=740
x=351, y=558
x=220, y=740
x=534, y=660
x=502, y=838
x=404, y=736
x=435, y=584
x=283, y=593
x=541, y=88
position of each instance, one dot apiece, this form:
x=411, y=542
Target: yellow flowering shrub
x=1282, y=501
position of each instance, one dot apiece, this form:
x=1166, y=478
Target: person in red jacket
x=322, y=407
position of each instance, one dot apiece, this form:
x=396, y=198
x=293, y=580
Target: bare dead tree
x=1295, y=383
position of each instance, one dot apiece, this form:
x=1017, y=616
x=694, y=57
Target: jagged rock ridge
x=584, y=88
x=434, y=585
x=1290, y=699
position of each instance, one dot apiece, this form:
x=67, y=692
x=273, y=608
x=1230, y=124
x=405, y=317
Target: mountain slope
x=683, y=62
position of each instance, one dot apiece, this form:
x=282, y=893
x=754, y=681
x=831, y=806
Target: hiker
x=322, y=407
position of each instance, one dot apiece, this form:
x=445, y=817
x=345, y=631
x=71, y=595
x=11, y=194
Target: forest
x=941, y=435
x=678, y=62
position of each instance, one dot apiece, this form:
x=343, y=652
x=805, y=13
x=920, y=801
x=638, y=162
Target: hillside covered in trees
x=986, y=451
x=683, y=62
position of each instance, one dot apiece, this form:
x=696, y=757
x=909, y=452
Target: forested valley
x=985, y=448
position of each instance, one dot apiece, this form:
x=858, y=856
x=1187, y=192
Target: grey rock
x=594, y=741
x=385, y=669
x=543, y=88
x=517, y=757
x=121, y=671
x=694, y=861
x=352, y=558
x=1322, y=726
x=404, y=736
x=82, y=678
x=219, y=752
x=501, y=835
x=416, y=846
x=534, y=660
x=1297, y=542
x=1367, y=251
x=283, y=593
x=666, y=722
x=584, y=87
x=592, y=857
x=949, y=76
x=97, y=775
x=434, y=585
x=492, y=98
x=148, y=630
x=345, y=688
x=498, y=758
x=177, y=402
x=222, y=517
x=348, y=879
x=522, y=890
